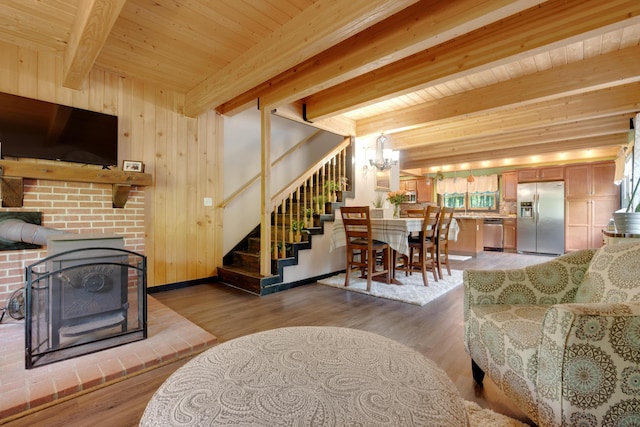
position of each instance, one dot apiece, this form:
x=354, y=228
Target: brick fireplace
x=76, y=207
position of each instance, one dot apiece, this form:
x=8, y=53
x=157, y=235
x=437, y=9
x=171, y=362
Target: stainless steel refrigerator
x=540, y=211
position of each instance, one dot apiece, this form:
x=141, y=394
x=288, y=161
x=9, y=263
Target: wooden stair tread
x=249, y=253
x=240, y=269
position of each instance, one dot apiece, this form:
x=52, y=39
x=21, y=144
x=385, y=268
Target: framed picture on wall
x=383, y=180
x=132, y=166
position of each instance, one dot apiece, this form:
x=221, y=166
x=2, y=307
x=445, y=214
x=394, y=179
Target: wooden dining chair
x=362, y=249
x=423, y=246
x=401, y=260
x=442, y=251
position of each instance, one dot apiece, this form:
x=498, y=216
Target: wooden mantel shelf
x=12, y=168
x=13, y=172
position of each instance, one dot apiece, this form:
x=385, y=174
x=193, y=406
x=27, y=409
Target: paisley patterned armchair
x=561, y=338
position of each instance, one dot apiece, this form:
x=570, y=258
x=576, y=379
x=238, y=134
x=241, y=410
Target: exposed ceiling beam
x=601, y=103
x=91, y=28
x=325, y=23
x=611, y=69
x=411, y=30
x=604, y=131
x=339, y=125
x=530, y=137
x=522, y=34
x=571, y=148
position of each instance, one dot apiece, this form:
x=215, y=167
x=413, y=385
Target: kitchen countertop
x=481, y=215
x=476, y=216
x=458, y=214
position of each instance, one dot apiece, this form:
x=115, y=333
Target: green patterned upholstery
x=562, y=362
x=613, y=276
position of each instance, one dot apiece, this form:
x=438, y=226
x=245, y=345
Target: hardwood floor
x=435, y=330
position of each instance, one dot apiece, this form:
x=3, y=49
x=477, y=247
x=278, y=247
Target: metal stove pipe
x=16, y=230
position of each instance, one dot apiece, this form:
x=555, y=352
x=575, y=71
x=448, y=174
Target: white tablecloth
x=394, y=231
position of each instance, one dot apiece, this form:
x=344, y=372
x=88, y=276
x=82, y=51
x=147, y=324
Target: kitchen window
x=458, y=193
x=475, y=201
x=455, y=200
x=485, y=200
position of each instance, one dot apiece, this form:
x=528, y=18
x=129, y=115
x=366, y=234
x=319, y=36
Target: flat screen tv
x=44, y=130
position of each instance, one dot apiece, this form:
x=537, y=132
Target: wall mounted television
x=44, y=130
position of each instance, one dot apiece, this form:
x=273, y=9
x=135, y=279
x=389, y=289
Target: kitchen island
x=470, y=236
x=470, y=239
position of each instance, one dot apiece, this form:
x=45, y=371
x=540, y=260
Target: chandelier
x=385, y=157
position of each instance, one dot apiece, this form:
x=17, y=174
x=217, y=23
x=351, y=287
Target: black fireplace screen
x=84, y=300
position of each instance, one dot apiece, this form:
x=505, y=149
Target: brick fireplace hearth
x=171, y=337
x=75, y=207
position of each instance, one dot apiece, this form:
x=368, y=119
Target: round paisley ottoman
x=307, y=376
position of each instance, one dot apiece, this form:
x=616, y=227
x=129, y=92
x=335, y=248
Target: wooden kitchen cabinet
x=590, y=180
x=510, y=186
x=585, y=220
x=424, y=190
x=591, y=197
x=510, y=234
x=408, y=185
x=549, y=173
x=422, y=187
x=527, y=175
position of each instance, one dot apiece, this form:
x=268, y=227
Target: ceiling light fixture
x=385, y=157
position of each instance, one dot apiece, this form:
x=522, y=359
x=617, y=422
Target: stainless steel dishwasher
x=493, y=233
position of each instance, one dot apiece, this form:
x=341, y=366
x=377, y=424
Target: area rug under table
x=412, y=290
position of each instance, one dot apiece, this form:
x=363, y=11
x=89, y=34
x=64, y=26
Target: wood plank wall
x=184, y=155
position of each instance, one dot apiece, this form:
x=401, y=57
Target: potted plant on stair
x=332, y=191
x=297, y=227
x=308, y=217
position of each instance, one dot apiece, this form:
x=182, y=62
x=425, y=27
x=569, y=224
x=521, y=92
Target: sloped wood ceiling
x=450, y=81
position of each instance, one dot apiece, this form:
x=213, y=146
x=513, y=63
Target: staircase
x=241, y=267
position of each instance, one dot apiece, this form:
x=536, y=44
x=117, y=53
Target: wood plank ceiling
x=453, y=83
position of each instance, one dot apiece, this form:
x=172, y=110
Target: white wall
x=319, y=260
x=242, y=148
x=365, y=184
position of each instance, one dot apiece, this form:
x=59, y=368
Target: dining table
x=394, y=231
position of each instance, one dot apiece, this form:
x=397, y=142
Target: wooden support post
x=265, y=190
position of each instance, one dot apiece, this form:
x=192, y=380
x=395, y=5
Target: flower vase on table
x=395, y=198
